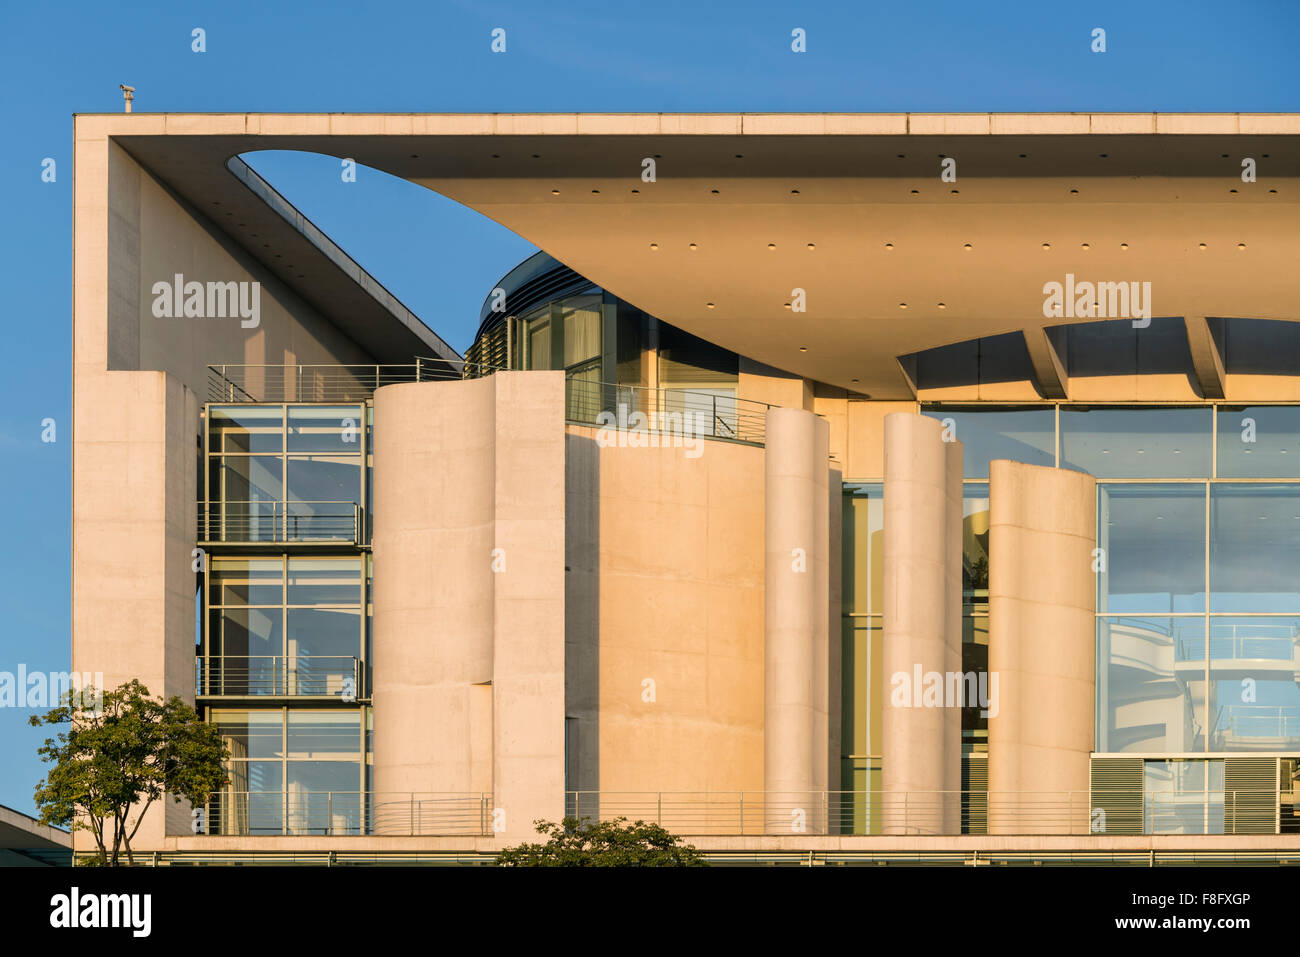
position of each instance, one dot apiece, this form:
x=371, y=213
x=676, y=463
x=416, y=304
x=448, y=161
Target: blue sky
x=866, y=55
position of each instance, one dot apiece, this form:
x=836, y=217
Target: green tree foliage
x=576, y=843
x=122, y=752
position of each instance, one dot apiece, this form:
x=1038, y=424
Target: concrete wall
x=468, y=546
x=1042, y=530
x=665, y=584
x=921, y=736
x=157, y=235
x=138, y=386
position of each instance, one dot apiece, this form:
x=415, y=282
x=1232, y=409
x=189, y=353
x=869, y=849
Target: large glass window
x=289, y=625
x=1255, y=699
x=1259, y=441
x=1022, y=435
x=1137, y=442
x=1254, y=548
x=1153, y=548
x=291, y=772
x=1151, y=684
x=284, y=472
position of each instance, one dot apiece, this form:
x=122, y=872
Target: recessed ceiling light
x=803, y=348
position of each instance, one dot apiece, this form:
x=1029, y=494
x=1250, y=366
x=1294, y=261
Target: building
x=868, y=487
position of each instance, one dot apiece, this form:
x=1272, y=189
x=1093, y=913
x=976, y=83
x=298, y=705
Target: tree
x=124, y=750
x=579, y=843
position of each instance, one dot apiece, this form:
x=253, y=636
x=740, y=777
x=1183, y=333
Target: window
x=292, y=771
x=1137, y=442
x=1022, y=435
x=1183, y=797
x=289, y=625
x=284, y=473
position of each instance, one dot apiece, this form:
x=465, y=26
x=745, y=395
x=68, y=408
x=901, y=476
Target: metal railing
x=927, y=813
x=677, y=415
x=343, y=813
x=243, y=382
x=292, y=676
x=745, y=813
x=671, y=417
x=840, y=812
x=1259, y=721
x=239, y=522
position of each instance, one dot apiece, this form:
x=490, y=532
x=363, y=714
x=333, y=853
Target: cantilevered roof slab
x=892, y=259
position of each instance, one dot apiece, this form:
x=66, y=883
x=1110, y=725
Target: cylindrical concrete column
x=921, y=728
x=1042, y=596
x=795, y=619
x=434, y=486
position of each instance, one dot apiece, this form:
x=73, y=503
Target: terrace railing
x=245, y=676
x=231, y=522
x=678, y=415
x=344, y=813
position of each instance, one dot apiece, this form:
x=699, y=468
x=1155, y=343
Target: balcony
x=299, y=676
x=279, y=523
x=324, y=383
x=346, y=813
x=663, y=415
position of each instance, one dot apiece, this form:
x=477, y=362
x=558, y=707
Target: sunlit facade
x=822, y=537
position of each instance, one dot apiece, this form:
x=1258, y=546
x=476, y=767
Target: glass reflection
x=1151, y=684
x=1259, y=441
x=1137, y=442
x=1183, y=797
x=1153, y=542
x=1022, y=435
x=1254, y=548
x=1255, y=699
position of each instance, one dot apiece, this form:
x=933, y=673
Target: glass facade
x=1198, y=606
x=284, y=473
x=291, y=771
x=284, y=617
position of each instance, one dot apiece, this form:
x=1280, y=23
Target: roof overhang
x=852, y=209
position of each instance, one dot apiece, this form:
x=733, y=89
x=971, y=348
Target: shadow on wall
x=582, y=624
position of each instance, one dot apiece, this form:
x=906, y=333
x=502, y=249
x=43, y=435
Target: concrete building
x=817, y=497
